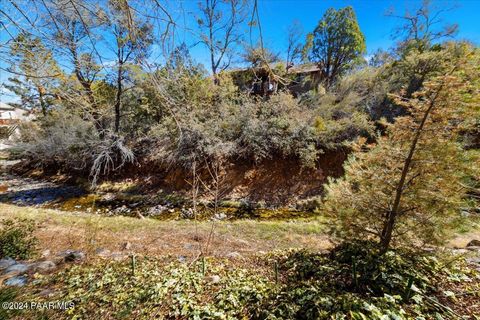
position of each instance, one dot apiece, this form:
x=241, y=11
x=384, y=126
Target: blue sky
x=277, y=15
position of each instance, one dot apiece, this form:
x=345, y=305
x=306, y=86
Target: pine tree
x=411, y=184
x=36, y=72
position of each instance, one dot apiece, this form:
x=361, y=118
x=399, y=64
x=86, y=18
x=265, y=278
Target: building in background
x=11, y=117
x=267, y=79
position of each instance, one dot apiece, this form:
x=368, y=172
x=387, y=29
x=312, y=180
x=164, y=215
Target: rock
x=19, y=267
x=459, y=251
x=234, y=255
x=74, y=256
x=186, y=213
x=473, y=248
x=17, y=281
x=102, y=252
x=65, y=253
x=182, y=259
x=219, y=216
x=7, y=262
x=122, y=210
x=45, y=253
x=473, y=260
x=9, y=275
x=44, y=266
x=157, y=210
x=213, y=279
x=108, y=197
x=474, y=243
x=126, y=246
x=71, y=255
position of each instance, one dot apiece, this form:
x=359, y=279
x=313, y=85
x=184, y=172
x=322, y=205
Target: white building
x=10, y=117
x=10, y=114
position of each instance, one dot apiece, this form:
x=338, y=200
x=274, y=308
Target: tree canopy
x=336, y=44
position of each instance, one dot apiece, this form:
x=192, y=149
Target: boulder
x=17, y=281
x=18, y=267
x=474, y=260
x=219, y=216
x=108, y=197
x=44, y=266
x=186, y=213
x=9, y=275
x=64, y=253
x=72, y=256
x=157, y=210
x=474, y=243
x=45, y=253
x=7, y=262
x=459, y=251
x=122, y=210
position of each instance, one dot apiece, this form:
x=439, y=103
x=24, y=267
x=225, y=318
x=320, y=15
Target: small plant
x=17, y=240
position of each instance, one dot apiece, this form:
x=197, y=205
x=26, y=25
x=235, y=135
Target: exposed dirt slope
x=275, y=181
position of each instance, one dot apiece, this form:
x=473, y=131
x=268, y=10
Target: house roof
x=304, y=68
x=8, y=107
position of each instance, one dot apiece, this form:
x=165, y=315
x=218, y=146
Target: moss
x=230, y=204
x=141, y=203
x=80, y=203
x=124, y=186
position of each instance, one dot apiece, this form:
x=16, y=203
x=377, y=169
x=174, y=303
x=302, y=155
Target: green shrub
x=17, y=240
x=254, y=129
x=354, y=281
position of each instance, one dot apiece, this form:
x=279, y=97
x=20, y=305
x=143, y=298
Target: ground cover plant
x=352, y=281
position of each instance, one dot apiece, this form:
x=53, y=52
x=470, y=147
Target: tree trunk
x=389, y=224
x=41, y=97
x=118, y=98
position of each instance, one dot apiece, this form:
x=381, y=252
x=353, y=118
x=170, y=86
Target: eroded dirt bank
x=276, y=188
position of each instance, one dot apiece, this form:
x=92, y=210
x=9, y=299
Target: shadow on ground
x=41, y=195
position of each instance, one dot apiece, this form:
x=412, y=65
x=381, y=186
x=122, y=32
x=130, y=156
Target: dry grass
x=60, y=230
